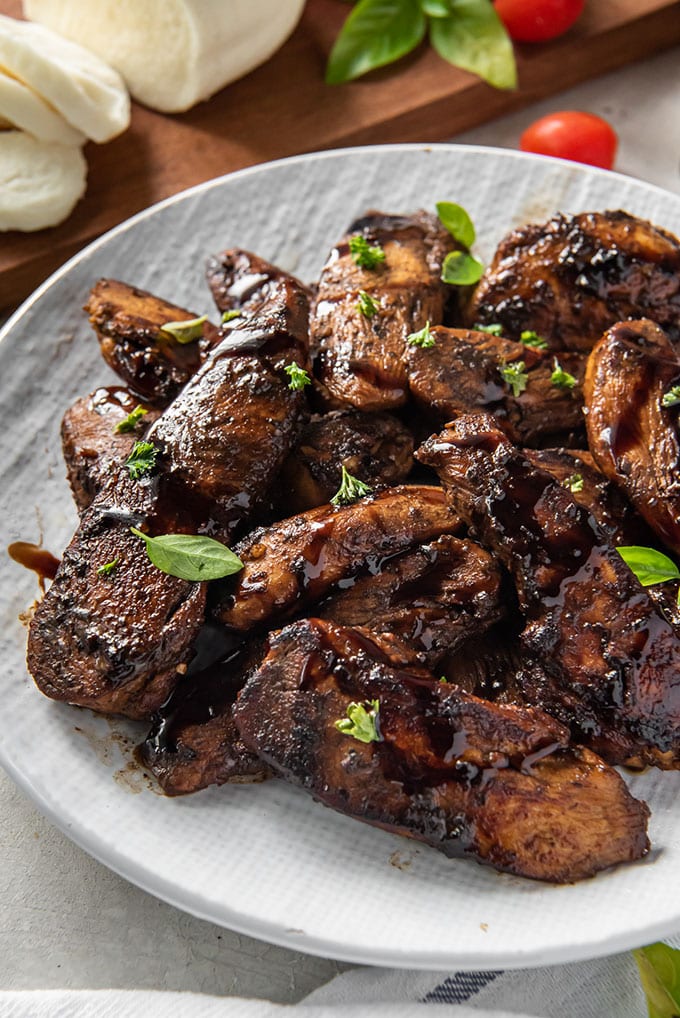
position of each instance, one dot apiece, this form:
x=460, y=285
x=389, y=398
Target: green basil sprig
x=650, y=566
x=659, y=967
x=189, y=556
x=467, y=33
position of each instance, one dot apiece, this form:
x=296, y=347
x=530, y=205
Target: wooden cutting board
x=284, y=107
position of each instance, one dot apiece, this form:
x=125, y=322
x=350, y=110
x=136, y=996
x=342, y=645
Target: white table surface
x=65, y=920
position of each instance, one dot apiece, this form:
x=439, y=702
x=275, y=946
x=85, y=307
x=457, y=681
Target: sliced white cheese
x=40, y=181
x=88, y=93
x=173, y=53
x=21, y=107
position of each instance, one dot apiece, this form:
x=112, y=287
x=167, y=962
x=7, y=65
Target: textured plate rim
x=216, y=912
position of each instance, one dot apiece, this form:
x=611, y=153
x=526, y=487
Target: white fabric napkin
x=605, y=988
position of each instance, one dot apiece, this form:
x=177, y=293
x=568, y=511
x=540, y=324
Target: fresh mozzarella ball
x=40, y=181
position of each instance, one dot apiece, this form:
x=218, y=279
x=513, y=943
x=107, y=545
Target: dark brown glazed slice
x=117, y=643
x=375, y=448
x=607, y=660
x=91, y=445
x=633, y=437
x=462, y=373
x=227, y=435
x=128, y=323
x=297, y=561
x=575, y=469
x=435, y=597
x=498, y=783
x=242, y=281
x=360, y=358
x=194, y=742
x=574, y=276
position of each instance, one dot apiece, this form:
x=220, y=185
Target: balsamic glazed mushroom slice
x=92, y=446
x=471, y=778
x=633, y=437
x=375, y=448
x=295, y=562
x=128, y=323
x=576, y=471
x=602, y=657
x=242, y=281
x=360, y=341
x=463, y=372
x=194, y=742
x=573, y=277
x=118, y=642
x=435, y=597
x=227, y=435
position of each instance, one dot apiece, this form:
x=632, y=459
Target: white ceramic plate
x=266, y=860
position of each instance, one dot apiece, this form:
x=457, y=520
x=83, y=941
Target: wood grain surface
x=284, y=108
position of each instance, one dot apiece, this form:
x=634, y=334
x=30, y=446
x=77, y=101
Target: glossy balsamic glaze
x=33, y=557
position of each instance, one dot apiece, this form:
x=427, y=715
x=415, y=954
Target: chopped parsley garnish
x=141, y=460
x=190, y=556
x=361, y=721
x=533, y=340
x=495, y=329
x=672, y=397
x=108, y=568
x=186, y=331
x=351, y=488
x=367, y=306
x=515, y=376
x=299, y=378
x=574, y=482
x=130, y=422
x=365, y=255
x=649, y=565
x=228, y=316
x=561, y=378
x=423, y=338
x=443, y=681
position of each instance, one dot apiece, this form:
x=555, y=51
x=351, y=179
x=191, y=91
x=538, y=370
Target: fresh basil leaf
x=650, y=566
x=659, y=967
x=456, y=220
x=376, y=33
x=436, y=8
x=461, y=269
x=189, y=556
x=473, y=37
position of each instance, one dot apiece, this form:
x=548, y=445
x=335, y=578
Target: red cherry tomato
x=538, y=20
x=582, y=137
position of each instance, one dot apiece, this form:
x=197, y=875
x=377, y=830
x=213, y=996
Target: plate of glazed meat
x=351, y=481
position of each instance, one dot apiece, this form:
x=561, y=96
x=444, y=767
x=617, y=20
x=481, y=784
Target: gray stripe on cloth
x=459, y=987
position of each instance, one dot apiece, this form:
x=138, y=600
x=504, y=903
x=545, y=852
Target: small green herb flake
x=533, y=340
x=495, y=329
x=456, y=220
x=424, y=338
x=298, y=377
x=365, y=255
x=141, y=460
x=361, y=721
x=650, y=566
x=672, y=397
x=229, y=316
x=659, y=967
x=108, y=568
x=367, y=305
x=443, y=681
x=561, y=378
x=187, y=331
x=190, y=556
x=574, y=482
x=460, y=269
x=130, y=422
x=351, y=488
x=515, y=376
